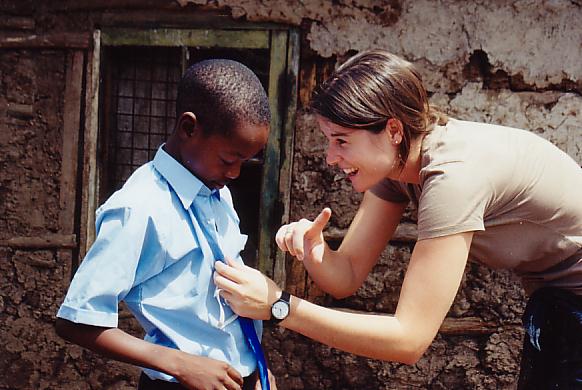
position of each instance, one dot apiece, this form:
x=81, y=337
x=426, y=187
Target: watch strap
x=285, y=297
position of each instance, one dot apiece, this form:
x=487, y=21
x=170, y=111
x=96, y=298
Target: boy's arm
x=193, y=372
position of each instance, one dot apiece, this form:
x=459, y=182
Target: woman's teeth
x=350, y=171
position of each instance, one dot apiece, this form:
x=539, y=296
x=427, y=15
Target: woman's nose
x=331, y=157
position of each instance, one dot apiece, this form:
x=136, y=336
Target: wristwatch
x=281, y=307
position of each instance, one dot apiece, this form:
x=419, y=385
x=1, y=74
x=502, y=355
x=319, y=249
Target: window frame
x=283, y=44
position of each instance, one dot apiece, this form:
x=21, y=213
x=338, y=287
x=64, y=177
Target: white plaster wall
x=554, y=115
x=539, y=39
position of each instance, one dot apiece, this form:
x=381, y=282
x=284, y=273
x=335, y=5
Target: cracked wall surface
x=515, y=63
x=520, y=37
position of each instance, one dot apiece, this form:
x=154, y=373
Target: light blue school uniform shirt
x=152, y=253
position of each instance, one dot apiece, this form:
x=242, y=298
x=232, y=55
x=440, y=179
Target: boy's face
x=217, y=159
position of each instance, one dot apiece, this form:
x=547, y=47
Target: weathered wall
x=31, y=281
x=510, y=62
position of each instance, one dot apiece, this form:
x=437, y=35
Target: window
x=134, y=79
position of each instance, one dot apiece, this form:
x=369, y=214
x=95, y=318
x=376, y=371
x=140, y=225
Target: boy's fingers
x=272, y=381
x=236, y=380
x=235, y=375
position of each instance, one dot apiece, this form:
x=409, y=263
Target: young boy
x=157, y=238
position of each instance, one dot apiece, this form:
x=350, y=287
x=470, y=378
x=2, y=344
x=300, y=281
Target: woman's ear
x=187, y=125
x=395, y=130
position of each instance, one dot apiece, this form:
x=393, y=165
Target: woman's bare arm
x=430, y=285
x=340, y=273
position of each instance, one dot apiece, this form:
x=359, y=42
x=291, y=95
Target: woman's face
x=365, y=157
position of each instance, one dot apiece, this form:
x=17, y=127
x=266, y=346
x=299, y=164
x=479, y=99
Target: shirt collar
x=183, y=182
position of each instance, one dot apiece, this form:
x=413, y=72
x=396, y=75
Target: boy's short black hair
x=222, y=94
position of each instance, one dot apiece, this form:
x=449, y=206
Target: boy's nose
x=233, y=172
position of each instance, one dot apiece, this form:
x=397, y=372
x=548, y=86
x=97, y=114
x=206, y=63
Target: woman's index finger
x=321, y=220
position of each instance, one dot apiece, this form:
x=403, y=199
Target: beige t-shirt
x=521, y=195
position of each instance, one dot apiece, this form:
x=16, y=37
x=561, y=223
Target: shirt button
x=209, y=221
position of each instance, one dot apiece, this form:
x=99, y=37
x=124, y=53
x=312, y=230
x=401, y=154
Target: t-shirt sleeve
x=107, y=273
x=390, y=191
x=453, y=200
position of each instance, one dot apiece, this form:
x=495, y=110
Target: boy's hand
x=304, y=239
x=202, y=373
x=248, y=292
x=256, y=381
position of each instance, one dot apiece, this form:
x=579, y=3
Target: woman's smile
x=351, y=172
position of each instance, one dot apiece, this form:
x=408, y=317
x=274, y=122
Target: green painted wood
x=178, y=18
x=206, y=38
x=283, y=75
x=269, y=189
x=184, y=58
x=90, y=191
x=287, y=143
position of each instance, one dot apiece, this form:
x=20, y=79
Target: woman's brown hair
x=372, y=87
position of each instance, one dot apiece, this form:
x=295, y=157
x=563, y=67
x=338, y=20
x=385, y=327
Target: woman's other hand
x=304, y=239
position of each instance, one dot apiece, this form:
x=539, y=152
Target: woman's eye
x=340, y=141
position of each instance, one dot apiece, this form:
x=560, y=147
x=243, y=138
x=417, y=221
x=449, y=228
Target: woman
x=502, y=196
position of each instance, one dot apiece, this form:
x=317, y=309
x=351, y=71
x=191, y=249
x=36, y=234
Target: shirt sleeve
x=107, y=273
x=452, y=201
x=390, y=191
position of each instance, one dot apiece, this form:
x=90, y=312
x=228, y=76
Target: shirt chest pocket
x=181, y=242
x=177, y=286
x=233, y=245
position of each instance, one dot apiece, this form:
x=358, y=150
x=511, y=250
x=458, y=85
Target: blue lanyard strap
x=248, y=329
x=246, y=324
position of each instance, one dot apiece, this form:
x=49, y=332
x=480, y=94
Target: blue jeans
x=552, y=350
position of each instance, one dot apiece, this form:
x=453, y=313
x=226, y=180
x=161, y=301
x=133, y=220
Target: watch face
x=280, y=310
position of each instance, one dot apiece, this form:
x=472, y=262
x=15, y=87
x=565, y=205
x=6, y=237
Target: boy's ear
x=187, y=124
